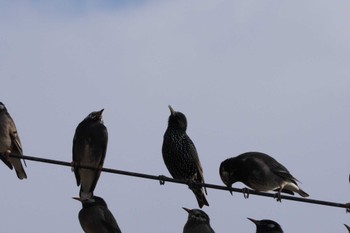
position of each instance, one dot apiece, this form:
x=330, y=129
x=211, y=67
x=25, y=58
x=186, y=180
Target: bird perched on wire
x=89, y=149
x=95, y=217
x=10, y=143
x=198, y=222
x=180, y=155
x=260, y=172
x=347, y=227
x=266, y=226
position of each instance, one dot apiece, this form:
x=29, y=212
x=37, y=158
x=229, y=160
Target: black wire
x=162, y=179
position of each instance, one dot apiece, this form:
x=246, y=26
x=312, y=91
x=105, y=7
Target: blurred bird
x=89, y=149
x=198, y=222
x=10, y=143
x=266, y=226
x=95, y=216
x=180, y=155
x=347, y=227
x=260, y=172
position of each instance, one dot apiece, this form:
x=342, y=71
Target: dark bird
x=260, y=172
x=89, y=149
x=347, y=227
x=266, y=226
x=180, y=155
x=198, y=222
x=95, y=217
x=10, y=143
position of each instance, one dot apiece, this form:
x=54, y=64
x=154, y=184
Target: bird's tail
x=302, y=193
x=21, y=174
x=202, y=201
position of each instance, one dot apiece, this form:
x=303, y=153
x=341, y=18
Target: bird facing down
x=180, y=155
x=95, y=216
x=347, y=227
x=89, y=149
x=10, y=143
x=266, y=226
x=260, y=172
x=198, y=222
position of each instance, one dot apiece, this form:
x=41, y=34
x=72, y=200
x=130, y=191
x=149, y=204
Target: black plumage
x=95, y=217
x=180, y=155
x=266, y=226
x=260, y=172
x=198, y=222
x=10, y=143
x=89, y=149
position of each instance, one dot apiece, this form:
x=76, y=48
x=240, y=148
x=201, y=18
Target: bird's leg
x=245, y=192
x=347, y=205
x=278, y=195
x=161, y=179
x=73, y=165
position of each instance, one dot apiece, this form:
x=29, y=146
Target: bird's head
x=197, y=215
x=92, y=201
x=347, y=227
x=2, y=107
x=177, y=120
x=95, y=116
x=228, y=173
x=266, y=225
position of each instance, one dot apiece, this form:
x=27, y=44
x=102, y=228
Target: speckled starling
x=260, y=172
x=266, y=226
x=180, y=155
x=198, y=222
x=10, y=143
x=89, y=149
x=347, y=227
x=95, y=217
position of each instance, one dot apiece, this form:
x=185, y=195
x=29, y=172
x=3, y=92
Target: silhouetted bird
x=180, y=155
x=10, y=143
x=198, y=222
x=260, y=172
x=89, y=149
x=95, y=216
x=347, y=227
x=266, y=226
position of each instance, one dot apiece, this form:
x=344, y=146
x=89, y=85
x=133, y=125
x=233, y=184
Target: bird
x=266, y=226
x=198, y=222
x=10, y=143
x=347, y=227
x=260, y=172
x=180, y=155
x=89, y=149
x=95, y=217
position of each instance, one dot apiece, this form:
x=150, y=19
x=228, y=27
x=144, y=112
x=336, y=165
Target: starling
x=180, y=155
x=95, y=217
x=347, y=227
x=266, y=226
x=198, y=222
x=260, y=172
x=89, y=149
x=10, y=143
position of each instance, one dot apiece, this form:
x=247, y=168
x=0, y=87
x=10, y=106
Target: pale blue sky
x=265, y=76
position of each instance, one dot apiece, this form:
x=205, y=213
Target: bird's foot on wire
x=73, y=165
x=245, y=192
x=161, y=179
x=278, y=197
x=347, y=205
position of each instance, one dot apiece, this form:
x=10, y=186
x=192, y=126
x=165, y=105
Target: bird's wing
x=14, y=136
x=109, y=222
x=76, y=158
x=197, y=162
x=280, y=170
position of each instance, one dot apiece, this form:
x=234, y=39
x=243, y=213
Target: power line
x=162, y=179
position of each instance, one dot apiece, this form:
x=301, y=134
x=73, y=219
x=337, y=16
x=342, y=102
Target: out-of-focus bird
x=347, y=227
x=89, y=149
x=95, y=217
x=260, y=172
x=266, y=226
x=180, y=155
x=10, y=143
x=198, y=222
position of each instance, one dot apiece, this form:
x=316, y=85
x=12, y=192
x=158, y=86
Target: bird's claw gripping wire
x=161, y=180
x=245, y=192
x=278, y=196
x=347, y=205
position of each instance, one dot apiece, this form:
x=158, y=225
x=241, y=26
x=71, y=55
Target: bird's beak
x=101, y=111
x=253, y=220
x=347, y=227
x=172, y=111
x=187, y=210
x=76, y=198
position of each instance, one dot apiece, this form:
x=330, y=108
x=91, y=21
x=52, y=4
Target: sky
x=268, y=76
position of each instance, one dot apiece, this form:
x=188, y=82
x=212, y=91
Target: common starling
x=180, y=155
x=95, y=217
x=260, y=172
x=10, y=143
x=198, y=222
x=89, y=149
x=266, y=226
x=347, y=227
